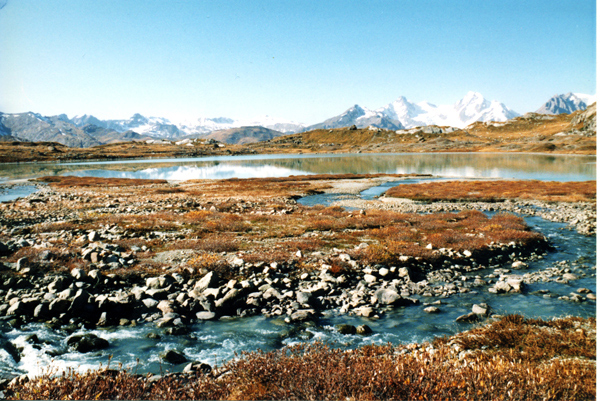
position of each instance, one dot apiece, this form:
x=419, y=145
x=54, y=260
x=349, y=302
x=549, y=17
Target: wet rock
x=87, y=343
x=174, y=357
x=177, y=331
x=432, y=309
x=10, y=349
x=468, y=318
x=153, y=336
x=345, y=329
x=363, y=329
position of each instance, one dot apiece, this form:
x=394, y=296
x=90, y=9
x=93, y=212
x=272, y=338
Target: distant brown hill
x=243, y=135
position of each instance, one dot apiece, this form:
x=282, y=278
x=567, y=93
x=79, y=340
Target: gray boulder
x=210, y=280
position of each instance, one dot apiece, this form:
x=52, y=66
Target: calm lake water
x=468, y=165
x=215, y=342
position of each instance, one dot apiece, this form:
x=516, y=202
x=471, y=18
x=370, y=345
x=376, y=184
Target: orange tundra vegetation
x=497, y=191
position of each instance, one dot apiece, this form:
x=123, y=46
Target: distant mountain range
x=403, y=113
x=87, y=130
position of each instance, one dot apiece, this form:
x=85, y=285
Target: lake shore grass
x=496, y=191
x=510, y=358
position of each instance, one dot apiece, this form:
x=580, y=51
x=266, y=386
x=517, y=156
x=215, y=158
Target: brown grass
x=497, y=191
x=515, y=358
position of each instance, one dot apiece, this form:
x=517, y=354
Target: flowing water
x=218, y=341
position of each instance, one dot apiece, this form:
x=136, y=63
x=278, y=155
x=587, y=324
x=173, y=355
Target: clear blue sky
x=301, y=60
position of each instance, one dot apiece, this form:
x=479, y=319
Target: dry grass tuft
x=497, y=191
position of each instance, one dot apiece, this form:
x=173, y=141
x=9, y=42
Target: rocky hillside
x=243, y=135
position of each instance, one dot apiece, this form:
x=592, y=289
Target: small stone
x=363, y=329
x=432, y=309
x=369, y=278
x=519, y=265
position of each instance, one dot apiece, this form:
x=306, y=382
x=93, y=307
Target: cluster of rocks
x=107, y=256
x=98, y=298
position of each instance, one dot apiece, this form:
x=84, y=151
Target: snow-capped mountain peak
x=472, y=107
x=566, y=103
